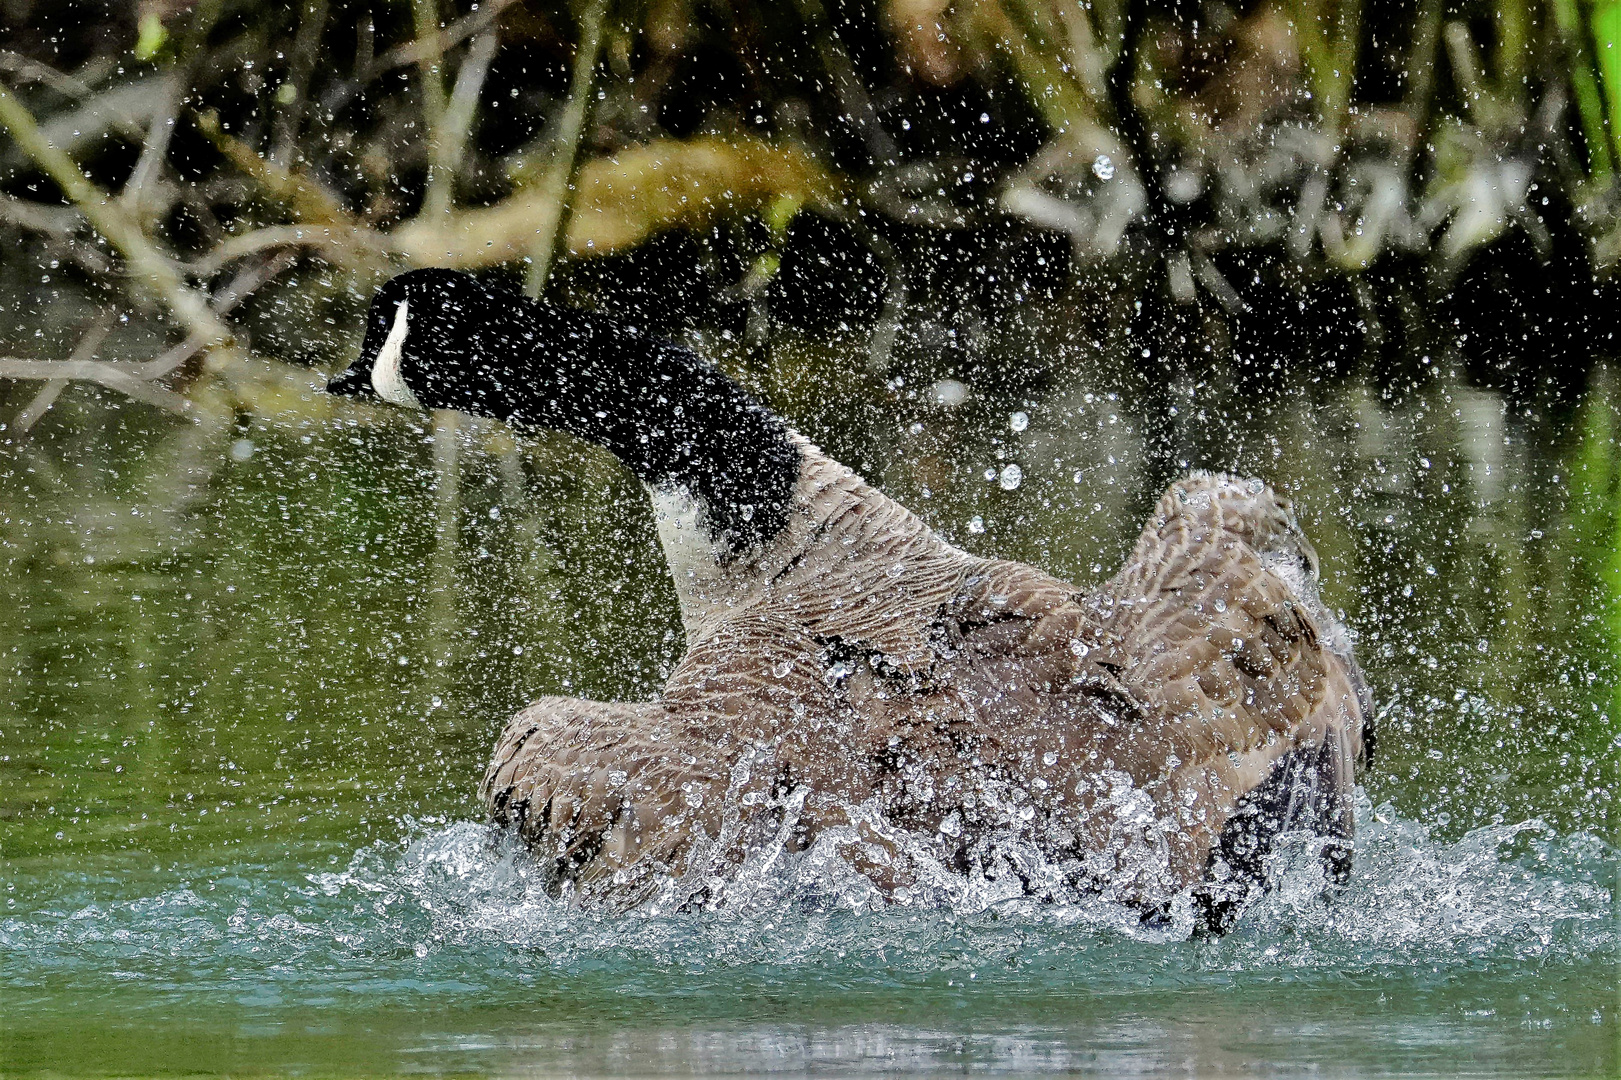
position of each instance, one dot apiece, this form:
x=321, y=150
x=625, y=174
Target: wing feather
x=1237, y=661
x=1173, y=721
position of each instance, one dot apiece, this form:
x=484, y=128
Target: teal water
x=250, y=668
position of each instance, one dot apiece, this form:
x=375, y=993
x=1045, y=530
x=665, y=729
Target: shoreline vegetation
x=1267, y=176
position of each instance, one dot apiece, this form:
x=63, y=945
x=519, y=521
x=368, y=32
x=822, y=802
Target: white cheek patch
x=385, y=373
x=693, y=555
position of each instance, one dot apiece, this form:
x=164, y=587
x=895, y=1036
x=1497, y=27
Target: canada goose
x=1149, y=735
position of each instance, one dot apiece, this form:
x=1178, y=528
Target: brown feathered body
x=1149, y=736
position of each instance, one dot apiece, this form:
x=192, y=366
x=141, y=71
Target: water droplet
x=1018, y=421
x=949, y=392
x=1103, y=167
x=1012, y=477
x=1076, y=478
x=242, y=450
x=976, y=524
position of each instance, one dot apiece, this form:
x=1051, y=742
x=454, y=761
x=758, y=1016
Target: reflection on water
x=249, y=671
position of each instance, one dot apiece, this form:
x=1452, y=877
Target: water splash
x=457, y=908
x=1500, y=893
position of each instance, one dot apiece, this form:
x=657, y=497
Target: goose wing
x=1245, y=680
x=615, y=798
x=1168, y=726
x=607, y=795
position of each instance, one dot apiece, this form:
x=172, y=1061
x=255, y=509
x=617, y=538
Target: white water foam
x=1508, y=892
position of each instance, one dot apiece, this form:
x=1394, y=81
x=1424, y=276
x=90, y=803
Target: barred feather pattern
x=1126, y=731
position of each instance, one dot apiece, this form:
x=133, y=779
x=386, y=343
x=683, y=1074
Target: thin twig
x=881, y=345
x=340, y=244
x=324, y=221
x=450, y=146
x=430, y=67
x=59, y=225
x=37, y=217
x=154, y=148
x=26, y=67
x=368, y=68
x=148, y=266
x=248, y=281
x=854, y=100
x=1420, y=77
x=112, y=376
x=305, y=50
x=85, y=350
x=365, y=43
x=555, y=193
x=438, y=42
x=306, y=198
x=330, y=226
x=167, y=361
x=135, y=380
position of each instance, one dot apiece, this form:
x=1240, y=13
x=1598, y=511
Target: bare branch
x=308, y=199
x=554, y=201
x=122, y=107
x=26, y=67
x=38, y=217
x=148, y=266
x=439, y=42
x=426, y=15
x=847, y=85
x=112, y=376
x=247, y=282
x=85, y=350
x=450, y=145
x=136, y=380
x=368, y=67
x=250, y=280
x=305, y=50
x=340, y=244
x=154, y=148
x=60, y=226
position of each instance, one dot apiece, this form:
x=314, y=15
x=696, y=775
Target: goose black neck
x=671, y=416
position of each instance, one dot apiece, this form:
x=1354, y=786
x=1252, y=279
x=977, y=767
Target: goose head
x=434, y=340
